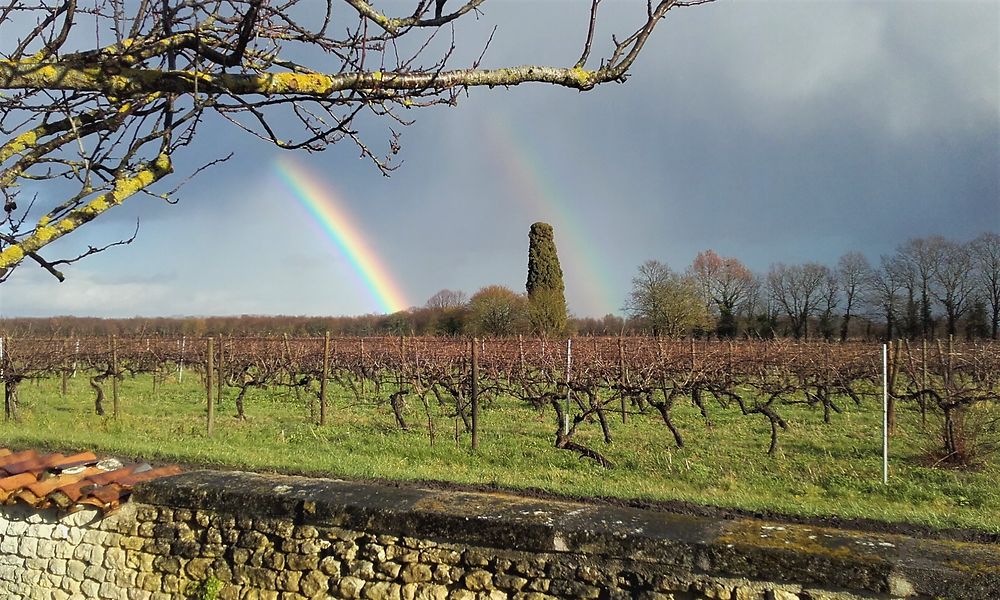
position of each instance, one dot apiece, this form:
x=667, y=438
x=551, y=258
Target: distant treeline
x=930, y=287
x=419, y=321
x=414, y=322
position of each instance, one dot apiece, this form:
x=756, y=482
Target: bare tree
x=923, y=255
x=796, y=289
x=446, y=299
x=99, y=96
x=829, y=294
x=725, y=282
x=666, y=302
x=887, y=282
x=986, y=253
x=906, y=277
x=760, y=311
x=954, y=281
x=855, y=275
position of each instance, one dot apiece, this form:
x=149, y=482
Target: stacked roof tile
x=71, y=482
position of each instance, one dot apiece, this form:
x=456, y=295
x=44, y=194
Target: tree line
x=929, y=287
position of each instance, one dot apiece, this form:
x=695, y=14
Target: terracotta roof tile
x=68, y=482
x=14, y=457
x=9, y=485
x=35, y=464
x=45, y=486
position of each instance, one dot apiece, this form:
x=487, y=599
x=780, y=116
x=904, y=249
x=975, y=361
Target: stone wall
x=252, y=536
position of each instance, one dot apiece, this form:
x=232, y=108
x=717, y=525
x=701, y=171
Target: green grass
x=819, y=469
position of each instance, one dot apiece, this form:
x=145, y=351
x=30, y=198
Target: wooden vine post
x=475, y=393
x=209, y=369
x=569, y=390
x=154, y=373
x=361, y=384
x=65, y=370
x=401, y=372
x=923, y=383
x=7, y=404
x=322, y=378
x=520, y=353
x=951, y=359
x=892, y=357
x=622, y=375
x=221, y=371
x=114, y=377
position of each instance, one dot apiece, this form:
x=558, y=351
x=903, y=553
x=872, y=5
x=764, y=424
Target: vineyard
x=607, y=407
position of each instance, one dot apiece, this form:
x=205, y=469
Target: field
x=817, y=468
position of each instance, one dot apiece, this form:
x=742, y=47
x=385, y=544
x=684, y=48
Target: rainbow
x=578, y=244
x=325, y=206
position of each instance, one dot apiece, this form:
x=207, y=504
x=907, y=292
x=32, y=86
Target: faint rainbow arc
x=526, y=170
x=325, y=206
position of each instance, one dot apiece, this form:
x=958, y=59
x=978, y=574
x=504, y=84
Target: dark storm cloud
x=772, y=131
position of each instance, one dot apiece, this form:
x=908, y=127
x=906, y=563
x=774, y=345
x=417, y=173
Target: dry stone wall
x=232, y=535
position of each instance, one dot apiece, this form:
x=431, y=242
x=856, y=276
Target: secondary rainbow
x=586, y=268
x=326, y=208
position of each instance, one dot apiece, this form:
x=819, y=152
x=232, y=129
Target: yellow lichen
x=47, y=72
x=582, y=75
x=45, y=234
x=11, y=256
x=163, y=163
x=377, y=75
x=124, y=187
x=977, y=568
x=67, y=225
x=95, y=207
x=19, y=144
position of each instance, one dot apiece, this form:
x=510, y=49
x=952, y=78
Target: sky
x=765, y=130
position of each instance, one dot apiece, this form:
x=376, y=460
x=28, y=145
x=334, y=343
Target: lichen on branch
x=108, y=116
x=124, y=187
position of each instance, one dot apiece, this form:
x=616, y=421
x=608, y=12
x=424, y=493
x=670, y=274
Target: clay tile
x=73, y=460
x=149, y=475
x=111, y=476
x=69, y=482
x=43, y=488
x=67, y=495
x=103, y=495
x=37, y=464
x=17, y=457
x=14, y=483
x=28, y=497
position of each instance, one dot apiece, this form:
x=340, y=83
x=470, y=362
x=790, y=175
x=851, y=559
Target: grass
x=819, y=469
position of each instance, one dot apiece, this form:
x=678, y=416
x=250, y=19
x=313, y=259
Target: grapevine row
x=582, y=382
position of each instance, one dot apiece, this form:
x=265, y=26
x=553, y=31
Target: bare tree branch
x=106, y=108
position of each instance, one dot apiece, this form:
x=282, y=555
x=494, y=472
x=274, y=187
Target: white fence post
x=885, y=414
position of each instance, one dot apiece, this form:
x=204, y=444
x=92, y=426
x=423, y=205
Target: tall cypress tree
x=546, y=291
